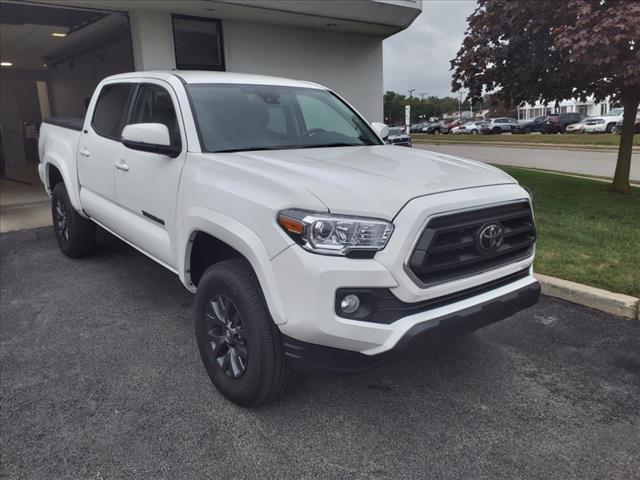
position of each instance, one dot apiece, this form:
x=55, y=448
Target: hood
x=374, y=181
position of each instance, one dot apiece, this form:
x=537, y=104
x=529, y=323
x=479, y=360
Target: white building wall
x=350, y=64
x=152, y=40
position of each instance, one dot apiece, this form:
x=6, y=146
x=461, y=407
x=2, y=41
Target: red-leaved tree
x=524, y=50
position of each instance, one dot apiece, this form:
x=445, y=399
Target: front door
x=147, y=183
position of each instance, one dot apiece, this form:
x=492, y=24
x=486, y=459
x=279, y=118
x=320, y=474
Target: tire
x=527, y=130
x=239, y=344
x=75, y=234
x=474, y=132
x=609, y=128
x=496, y=130
x=436, y=131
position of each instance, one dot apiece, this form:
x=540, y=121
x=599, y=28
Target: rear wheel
x=436, y=131
x=527, y=130
x=474, y=132
x=75, y=234
x=239, y=344
x=497, y=130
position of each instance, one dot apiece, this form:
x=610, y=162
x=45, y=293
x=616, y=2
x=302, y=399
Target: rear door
x=147, y=186
x=99, y=147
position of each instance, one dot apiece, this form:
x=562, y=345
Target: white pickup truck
x=308, y=242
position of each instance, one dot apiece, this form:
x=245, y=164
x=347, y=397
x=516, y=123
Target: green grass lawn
x=585, y=233
x=603, y=139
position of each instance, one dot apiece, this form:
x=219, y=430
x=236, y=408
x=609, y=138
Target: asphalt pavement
x=100, y=379
x=583, y=162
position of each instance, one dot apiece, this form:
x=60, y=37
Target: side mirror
x=150, y=137
x=381, y=129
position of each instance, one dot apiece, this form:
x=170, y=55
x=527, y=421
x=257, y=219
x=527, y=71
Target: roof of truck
x=202, y=76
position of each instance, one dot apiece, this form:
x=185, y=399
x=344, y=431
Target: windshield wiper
x=290, y=147
x=329, y=145
x=247, y=149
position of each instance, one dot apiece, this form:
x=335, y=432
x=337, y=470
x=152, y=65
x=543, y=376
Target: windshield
x=396, y=131
x=234, y=118
x=615, y=112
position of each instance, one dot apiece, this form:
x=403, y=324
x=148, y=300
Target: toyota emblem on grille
x=490, y=237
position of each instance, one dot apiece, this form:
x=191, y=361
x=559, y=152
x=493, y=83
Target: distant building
x=590, y=108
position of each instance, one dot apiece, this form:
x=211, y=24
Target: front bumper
x=303, y=356
x=307, y=283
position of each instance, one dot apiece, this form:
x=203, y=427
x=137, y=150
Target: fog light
x=350, y=303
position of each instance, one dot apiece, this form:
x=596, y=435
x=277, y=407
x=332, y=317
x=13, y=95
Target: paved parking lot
x=101, y=379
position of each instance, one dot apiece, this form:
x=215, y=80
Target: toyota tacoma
x=308, y=242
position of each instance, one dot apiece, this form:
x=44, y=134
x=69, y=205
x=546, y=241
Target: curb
x=615, y=303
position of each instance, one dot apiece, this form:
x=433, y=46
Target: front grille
x=448, y=248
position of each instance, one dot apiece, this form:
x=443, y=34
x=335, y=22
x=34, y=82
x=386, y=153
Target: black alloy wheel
x=226, y=331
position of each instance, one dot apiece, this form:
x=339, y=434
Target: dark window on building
x=111, y=110
x=154, y=105
x=198, y=43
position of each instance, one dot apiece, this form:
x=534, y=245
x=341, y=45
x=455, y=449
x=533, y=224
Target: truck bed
x=73, y=123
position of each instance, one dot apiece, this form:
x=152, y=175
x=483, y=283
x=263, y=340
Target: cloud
x=419, y=56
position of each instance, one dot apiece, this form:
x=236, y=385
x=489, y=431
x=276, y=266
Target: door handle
x=85, y=153
x=121, y=165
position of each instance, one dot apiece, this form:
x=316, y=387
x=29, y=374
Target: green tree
x=549, y=50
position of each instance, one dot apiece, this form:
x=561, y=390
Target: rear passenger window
x=111, y=110
x=154, y=105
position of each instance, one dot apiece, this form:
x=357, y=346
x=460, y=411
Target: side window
x=110, y=112
x=153, y=104
x=318, y=115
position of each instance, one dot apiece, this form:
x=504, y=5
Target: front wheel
x=75, y=234
x=474, y=132
x=239, y=344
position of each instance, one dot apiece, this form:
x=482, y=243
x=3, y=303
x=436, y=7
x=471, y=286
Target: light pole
x=426, y=109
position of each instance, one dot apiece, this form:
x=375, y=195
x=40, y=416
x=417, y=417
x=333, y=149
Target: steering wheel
x=312, y=132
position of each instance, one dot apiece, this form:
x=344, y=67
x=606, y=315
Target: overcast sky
x=419, y=56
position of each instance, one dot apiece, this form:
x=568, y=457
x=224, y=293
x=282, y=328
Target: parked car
x=436, y=128
x=499, y=125
x=604, y=123
x=398, y=136
x=473, y=128
x=455, y=123
x=417, y=127
x=618, y=127
x=558, y=122
x=528, y=126
x=308, y=244
x=577, y=127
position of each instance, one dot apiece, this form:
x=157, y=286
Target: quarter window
x=154, y=105
x=111, y=110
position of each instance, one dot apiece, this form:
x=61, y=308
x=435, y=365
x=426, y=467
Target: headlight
x=335, y=234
